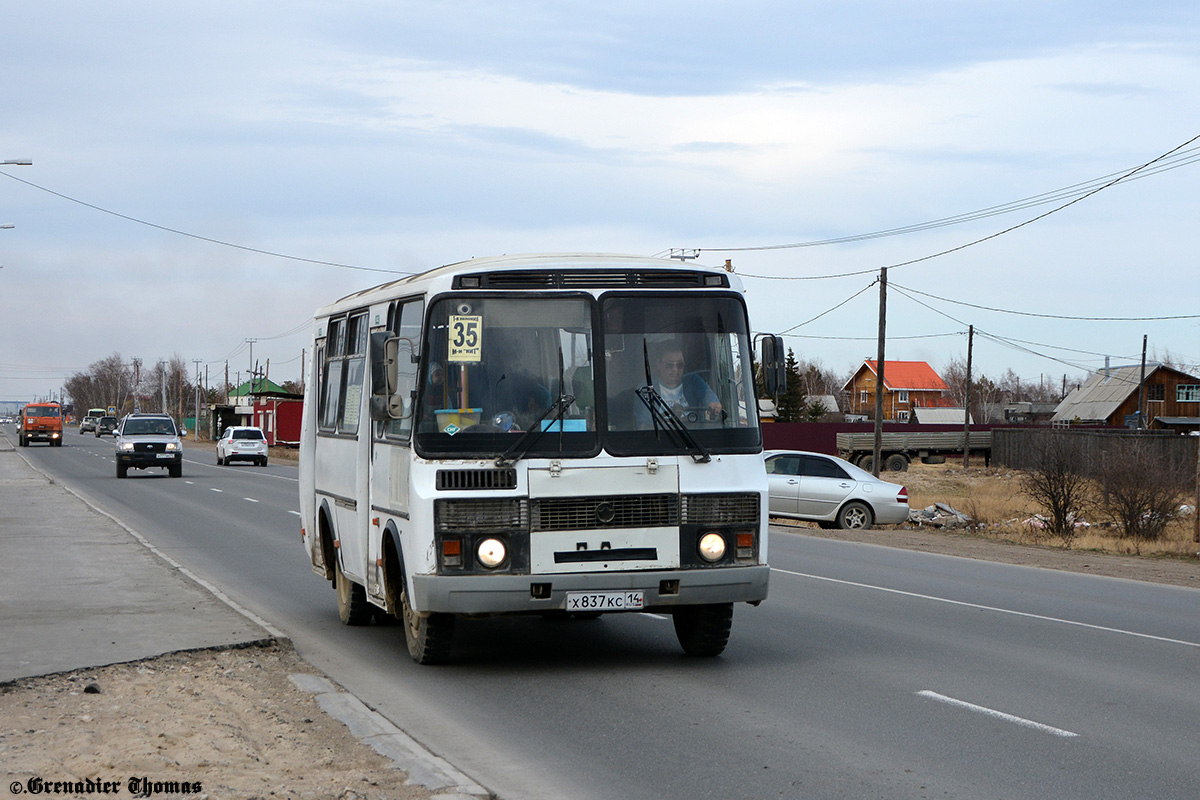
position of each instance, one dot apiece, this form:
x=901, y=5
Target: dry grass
x=993, y=498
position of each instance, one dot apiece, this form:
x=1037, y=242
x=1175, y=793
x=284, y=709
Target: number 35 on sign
x=466, y=341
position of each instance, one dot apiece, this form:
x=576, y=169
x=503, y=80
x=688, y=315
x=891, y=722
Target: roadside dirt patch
x=231, y=722
x=992, y=497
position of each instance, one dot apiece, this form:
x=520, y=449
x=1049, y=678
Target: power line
x=1048, y=316
x=870, y=338
x=198, y=237
x=1182, y=158
x=1124, y=176
x=830, y=310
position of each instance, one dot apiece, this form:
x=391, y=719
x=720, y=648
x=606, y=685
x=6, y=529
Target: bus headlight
x=712, y=547
x=491, y=553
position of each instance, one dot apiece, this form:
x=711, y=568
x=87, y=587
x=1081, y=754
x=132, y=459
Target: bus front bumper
x=663, y=590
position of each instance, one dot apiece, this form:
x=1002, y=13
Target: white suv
x=242, y=444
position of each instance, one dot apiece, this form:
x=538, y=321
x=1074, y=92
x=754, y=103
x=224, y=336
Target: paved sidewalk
x=79, y=590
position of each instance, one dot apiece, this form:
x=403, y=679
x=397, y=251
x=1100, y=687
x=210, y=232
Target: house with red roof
x=907, y=385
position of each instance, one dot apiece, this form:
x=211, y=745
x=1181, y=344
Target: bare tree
x=1140, y=489
x=169, y=386
x=1056, y=480
x=107, y=382
x=987, y=397
x=1016, y=390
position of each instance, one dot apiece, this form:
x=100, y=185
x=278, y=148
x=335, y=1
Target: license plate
x=605, y=601
x=165, y=455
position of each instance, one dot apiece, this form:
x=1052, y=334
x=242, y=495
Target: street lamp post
x=15, y=162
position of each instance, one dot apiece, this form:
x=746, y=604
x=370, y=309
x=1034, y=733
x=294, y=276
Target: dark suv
x=149, y=440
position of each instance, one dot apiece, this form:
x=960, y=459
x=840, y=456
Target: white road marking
x=213, y=489
x=297, y=513
x=1025, y=614
x=991, y=712
x=249, y=499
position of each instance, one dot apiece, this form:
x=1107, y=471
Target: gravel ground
x=230, y=724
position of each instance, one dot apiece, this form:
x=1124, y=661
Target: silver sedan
x=831, y=492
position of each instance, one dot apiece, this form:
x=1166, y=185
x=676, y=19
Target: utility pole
x=1141, y=414
x=196, y=424
x=967, y=410
x=252, y=341
x=137, y=381
x=879, y=373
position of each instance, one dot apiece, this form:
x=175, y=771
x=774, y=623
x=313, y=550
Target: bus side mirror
x=774, y=364
x=383, y=363
x=386, y=401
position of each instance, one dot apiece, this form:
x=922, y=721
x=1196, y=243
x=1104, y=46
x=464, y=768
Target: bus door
x=341, y=467
x=391, y=454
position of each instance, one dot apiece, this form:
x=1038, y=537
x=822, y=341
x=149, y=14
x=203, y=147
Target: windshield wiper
x=529, y=438
x=525, y=443
x=661, y=413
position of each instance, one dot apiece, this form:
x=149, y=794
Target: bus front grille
x=720, y=509
x=484, y=514
x=458, y=479
x=593, y=513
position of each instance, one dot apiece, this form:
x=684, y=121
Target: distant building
x=257, y=386
x=1170, y=399
x=827, y=402
x=1029, y=413
x=907, y=385
x=940, y=416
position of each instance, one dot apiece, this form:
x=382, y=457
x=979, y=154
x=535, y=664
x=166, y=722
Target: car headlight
x=172, y=445
x=712, y=546
x=491, y=553
x=126, y=445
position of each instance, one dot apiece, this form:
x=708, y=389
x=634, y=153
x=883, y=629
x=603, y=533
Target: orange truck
x=40, y=422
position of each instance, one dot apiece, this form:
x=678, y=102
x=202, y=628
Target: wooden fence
x=1017, y=448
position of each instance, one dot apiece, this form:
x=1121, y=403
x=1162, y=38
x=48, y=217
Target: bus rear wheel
x=703, y=630
x=353, y=608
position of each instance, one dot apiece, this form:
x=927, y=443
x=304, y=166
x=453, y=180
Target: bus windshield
x=634, y=373
x=691, y=358
x=500, y=366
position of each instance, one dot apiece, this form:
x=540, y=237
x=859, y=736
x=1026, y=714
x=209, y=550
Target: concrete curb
x=423, y=767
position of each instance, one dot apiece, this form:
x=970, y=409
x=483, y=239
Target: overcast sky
x=398, y=136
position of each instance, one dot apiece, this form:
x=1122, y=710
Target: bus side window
x=407, y=326
x=350, y=401
x=331, y=374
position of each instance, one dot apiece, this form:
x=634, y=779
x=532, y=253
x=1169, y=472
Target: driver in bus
x=684, y=392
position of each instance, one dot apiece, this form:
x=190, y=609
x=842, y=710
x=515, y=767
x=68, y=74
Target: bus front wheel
x=428, y=636
x=703, y=630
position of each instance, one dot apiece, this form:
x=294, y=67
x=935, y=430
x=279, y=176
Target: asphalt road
x=869, y=672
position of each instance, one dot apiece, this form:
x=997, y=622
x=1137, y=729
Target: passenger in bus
x=522, y=400
x=686, y=393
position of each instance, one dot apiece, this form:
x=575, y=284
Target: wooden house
x=1170, y=399
x=906, y=385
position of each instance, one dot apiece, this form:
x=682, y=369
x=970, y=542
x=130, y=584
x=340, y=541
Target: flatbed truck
x=900, y=448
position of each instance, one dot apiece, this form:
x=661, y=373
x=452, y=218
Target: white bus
x=565, y=435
